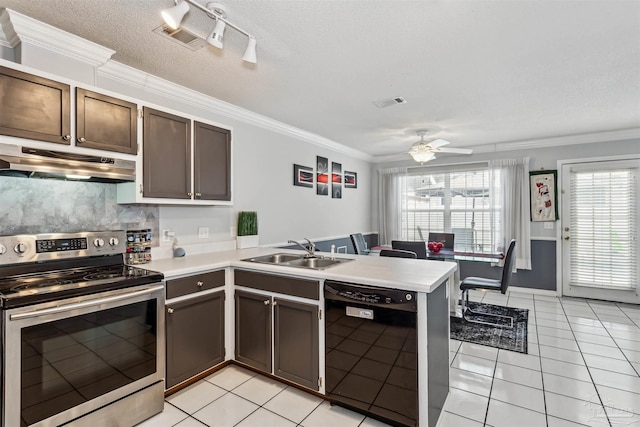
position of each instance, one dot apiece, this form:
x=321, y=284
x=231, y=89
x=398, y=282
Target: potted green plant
x=247, y=230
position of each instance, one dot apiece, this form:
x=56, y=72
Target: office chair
x=398, y=253
x=359, y=245
x=420, y=248
x=489, y=284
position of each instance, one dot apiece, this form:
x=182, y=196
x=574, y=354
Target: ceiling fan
x=423, y=151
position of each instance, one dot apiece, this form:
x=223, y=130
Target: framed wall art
x=322, y=176
x=336, y=180
x=544, y=195
x=302, y=176
x=350, y=179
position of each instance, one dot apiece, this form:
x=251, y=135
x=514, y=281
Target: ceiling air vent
x=182, y=36
x=391, y=101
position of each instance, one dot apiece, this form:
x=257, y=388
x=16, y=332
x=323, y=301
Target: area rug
x=514, y=339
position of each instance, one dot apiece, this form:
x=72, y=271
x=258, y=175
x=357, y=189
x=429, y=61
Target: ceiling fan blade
x=456, y=150
x=436, y=143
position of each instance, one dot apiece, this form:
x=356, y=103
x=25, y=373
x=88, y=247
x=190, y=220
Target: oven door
x=65, y=359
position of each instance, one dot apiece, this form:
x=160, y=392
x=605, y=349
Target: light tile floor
x=583, y=368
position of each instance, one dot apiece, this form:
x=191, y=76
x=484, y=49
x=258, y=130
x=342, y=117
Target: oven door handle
x=84, y=304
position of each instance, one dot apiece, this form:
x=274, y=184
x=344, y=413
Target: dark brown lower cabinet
x=253, y=330
x=195, y=336
x=295, y=349
x=295, y=339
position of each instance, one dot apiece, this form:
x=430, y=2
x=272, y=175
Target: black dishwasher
x=371, y=351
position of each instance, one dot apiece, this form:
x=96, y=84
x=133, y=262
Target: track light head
x=173, y=16
x=216, y=38
x=250, y=53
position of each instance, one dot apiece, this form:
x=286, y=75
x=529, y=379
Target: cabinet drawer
x=303, y=288
x=196, y=283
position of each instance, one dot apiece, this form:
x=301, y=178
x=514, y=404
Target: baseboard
x=545, y=292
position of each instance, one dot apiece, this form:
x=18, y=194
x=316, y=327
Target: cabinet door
x=253, y=330
x=296, y=356
x=212, y=162
x=195, y=336
x=105, y=122
x=34, y=107
x=166, y=156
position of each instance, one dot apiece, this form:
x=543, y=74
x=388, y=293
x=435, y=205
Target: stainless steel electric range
x=82, y=333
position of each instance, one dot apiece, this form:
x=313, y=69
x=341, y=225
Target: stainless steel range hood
x=38, y=163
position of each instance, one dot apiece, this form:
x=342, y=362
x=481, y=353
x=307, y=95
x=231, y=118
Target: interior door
x=599, y=220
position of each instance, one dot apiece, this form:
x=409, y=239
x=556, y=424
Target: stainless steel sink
x=293, y=260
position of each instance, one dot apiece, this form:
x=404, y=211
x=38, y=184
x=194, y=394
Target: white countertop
x=387, y=272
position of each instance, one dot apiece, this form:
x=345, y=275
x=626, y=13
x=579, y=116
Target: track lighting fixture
x=173, y=16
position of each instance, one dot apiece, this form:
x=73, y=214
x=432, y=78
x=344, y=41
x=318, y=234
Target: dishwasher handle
x=369, y=296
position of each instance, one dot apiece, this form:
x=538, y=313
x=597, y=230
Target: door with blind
x=600, y=248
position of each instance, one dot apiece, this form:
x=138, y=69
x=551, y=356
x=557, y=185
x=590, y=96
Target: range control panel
x=42, y=247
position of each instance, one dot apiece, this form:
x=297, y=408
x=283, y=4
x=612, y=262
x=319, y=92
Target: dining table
x=453, y=256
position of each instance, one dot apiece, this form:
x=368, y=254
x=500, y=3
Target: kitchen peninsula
x=277, y=288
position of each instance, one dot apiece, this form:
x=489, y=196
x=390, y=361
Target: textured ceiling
x=473, y=72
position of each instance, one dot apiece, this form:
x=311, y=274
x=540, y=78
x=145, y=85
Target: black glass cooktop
x=32, y=284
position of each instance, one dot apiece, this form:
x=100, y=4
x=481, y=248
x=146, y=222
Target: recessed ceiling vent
x=389, y=102
x=181, y=36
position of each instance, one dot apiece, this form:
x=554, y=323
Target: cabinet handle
x=200, y=284
x=266, y=302
x=189, y=194
x=82, y=140
x=275, y=303
x=198, y=194
x=66, y=137
x=170, y=310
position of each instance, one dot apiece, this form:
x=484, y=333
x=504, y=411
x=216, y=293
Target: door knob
x=566, y=229
x=200, y=284
x=170, y=310
x=266, y=302
x=66, y=137
x=566, y=237
x=82, y=140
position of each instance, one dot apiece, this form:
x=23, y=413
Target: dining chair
x=420, y=248
x=483, y=283
x=359, y=244
x=398, y=253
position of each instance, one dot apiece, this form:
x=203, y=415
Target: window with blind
x=451, y=201
x=603, y=226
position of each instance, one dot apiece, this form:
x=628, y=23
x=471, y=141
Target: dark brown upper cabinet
x=34, y=107
x=212, y=162
x=105, y=122
x=166, y=155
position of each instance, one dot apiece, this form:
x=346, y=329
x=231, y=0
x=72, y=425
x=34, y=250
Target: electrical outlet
x=548, y=225
x=203, y=232
x=167, y=235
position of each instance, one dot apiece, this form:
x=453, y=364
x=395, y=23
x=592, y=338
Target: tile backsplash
x=30, y=205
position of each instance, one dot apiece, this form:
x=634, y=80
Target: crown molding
x=151, y=83
x=19, y=28
x=529, y=144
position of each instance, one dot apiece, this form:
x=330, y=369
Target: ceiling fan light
x=173, y=16
x=250, y=53
x=421, y=152
x=216, y=38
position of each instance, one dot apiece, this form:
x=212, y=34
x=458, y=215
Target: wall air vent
x=391, y=101
x=182, y=36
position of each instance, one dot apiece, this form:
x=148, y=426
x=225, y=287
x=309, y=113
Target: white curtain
x=510, y=207
x=390, y=203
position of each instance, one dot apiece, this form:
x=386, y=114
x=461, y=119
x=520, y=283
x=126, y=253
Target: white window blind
x=603, y=228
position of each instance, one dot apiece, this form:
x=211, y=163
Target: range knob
x=20, y=248
x=114, y=241
x=98, y=243
x=3, y=249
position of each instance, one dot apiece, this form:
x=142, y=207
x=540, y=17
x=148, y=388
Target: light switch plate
x=203, y=232
x=548, y=225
